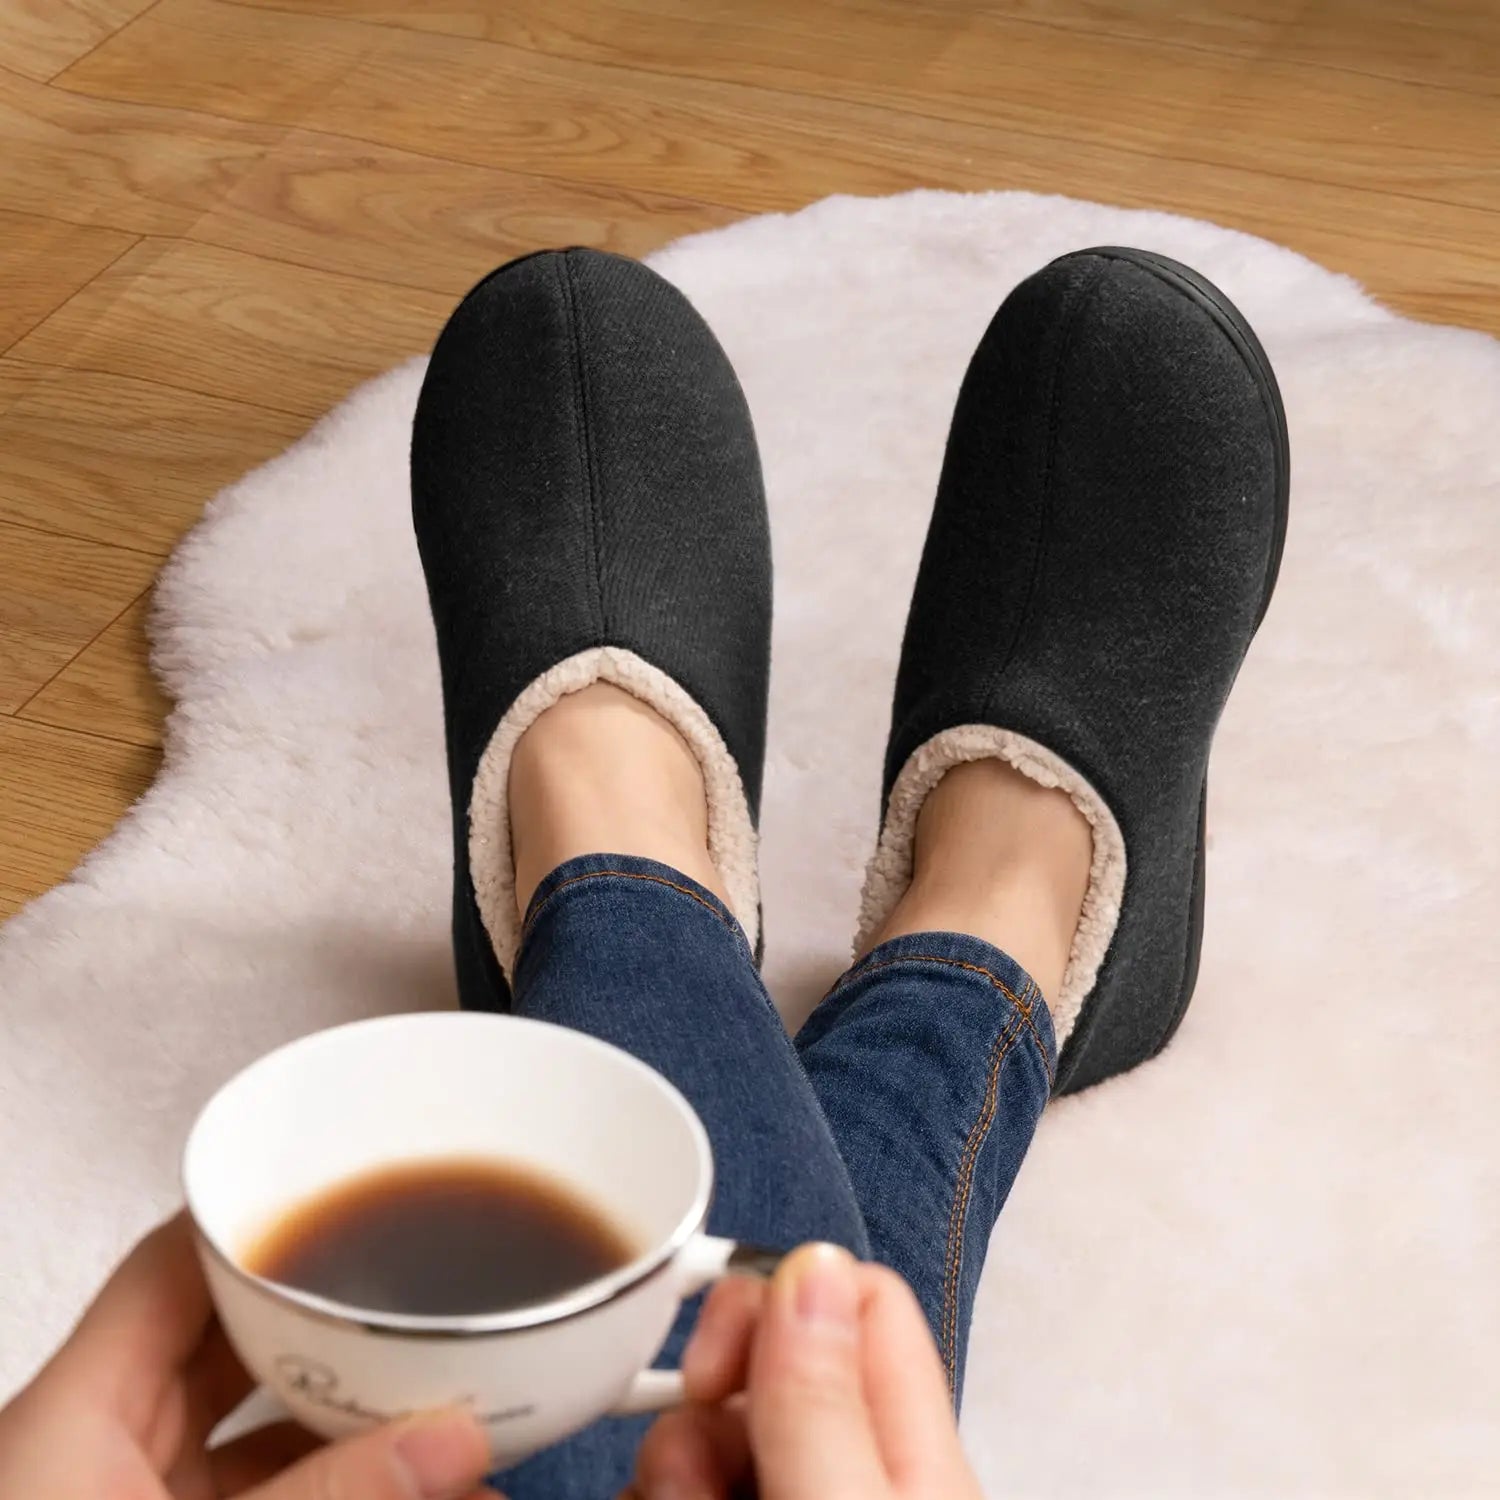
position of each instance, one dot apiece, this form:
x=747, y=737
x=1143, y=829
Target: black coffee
x=440, y=1237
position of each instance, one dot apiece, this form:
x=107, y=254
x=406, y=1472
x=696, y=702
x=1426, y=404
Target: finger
x=259, y=1456
x=911, y=1406
x=149, y=1318
x=263, y=1454
x=809, y=1424
x=216, y=1382
x=440, y=1456
x=172, y=1419
x=716, y=1362
x=702, y=1451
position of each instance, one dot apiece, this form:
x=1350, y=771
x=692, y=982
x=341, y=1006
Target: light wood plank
x=43, y=262
x=119, y=460
x=237, y=327
x=16, y=381
x=312, y=199
x=59, y=594
x=41, y=37
x=1454, y=44
x=720, y=140
x=1431, y=259
x=739, y=35
x=745, y=147
x=420, y=221
x=107, y=689
x=147, y=171
x=63, y=794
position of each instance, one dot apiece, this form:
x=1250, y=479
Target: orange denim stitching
x=1019, y=1001
x=964, y=1192
x=972, y=1147
x=952, y=1258
x=562, y=885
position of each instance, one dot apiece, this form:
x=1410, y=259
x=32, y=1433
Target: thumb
x=437, y=1456
x=809, y=1422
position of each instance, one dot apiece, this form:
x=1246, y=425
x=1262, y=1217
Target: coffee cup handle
x=702, y=1262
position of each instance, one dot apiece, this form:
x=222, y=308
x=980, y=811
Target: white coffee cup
x=409, y=1088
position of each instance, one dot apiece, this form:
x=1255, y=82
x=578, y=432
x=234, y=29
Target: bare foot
x=1001, y=858
x=601, y=773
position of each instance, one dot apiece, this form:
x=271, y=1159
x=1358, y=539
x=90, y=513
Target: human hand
x=124, y=1411
x=844, y=1396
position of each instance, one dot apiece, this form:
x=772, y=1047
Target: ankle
x=1002, y=858
x=600, y=772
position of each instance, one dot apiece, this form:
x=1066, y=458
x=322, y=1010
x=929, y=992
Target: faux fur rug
x=1267, y=1264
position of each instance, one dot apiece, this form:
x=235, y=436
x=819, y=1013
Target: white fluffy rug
x=1267, y=1264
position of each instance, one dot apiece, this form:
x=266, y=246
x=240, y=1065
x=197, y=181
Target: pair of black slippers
x=1106, y=534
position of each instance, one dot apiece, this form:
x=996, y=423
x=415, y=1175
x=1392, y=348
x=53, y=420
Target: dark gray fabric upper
x=584, y=473
x=1101, y=544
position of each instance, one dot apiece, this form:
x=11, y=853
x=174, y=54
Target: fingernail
x=444, y=1454
x=823, y=1287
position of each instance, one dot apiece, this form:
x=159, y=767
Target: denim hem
x=1021, y=1017
x=587, y=867
x=961, y=950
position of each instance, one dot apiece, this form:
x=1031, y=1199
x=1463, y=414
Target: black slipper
x=588, y=505
x=1103, y=546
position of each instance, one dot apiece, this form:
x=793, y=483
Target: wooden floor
x=218, y=215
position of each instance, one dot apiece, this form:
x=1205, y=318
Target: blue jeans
x=894, y=1124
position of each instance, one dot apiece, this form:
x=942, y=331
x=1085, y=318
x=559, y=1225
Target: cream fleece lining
x=731, y=834
x=889, y=871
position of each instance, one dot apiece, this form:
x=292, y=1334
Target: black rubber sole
x=1199, y=289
